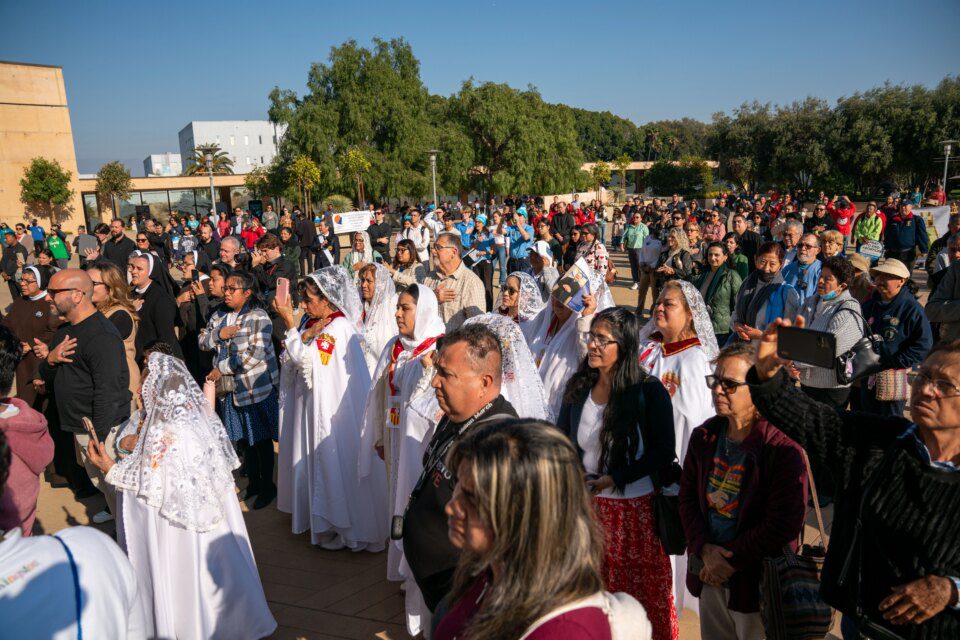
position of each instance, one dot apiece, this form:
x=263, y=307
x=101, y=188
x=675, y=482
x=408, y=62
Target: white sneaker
x=335, y=544
x=635, y=286
x=102, y=517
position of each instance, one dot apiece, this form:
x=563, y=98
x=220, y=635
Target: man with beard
x=208, y=242
x=118, y=247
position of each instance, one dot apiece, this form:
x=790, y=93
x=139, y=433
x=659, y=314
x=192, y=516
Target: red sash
x=398, y=349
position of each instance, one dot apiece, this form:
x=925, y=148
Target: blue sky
x=137, y=72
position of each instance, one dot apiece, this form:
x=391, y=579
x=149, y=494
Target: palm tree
x=222, y=164
x=674, y=143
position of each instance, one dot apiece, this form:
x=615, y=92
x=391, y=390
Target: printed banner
x=936, y=219
x=351, y=221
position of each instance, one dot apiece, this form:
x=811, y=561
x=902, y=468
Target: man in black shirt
x=14, y=256
x=87, y=365
x=467, y=382
x=325, y=242
x=208, y=242
x=306, y=232
x=118, y=247
x=379, y=233
x=268, y=264
x=750, y=241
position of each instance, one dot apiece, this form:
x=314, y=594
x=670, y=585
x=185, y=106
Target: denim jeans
x=501, y=259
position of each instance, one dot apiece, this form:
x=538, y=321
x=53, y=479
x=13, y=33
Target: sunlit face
x=139, y=272
x=358, y=244
x=808, y=249
x=738, y=401
x=831, y=248
x=457, y=382
x=465, y=528
x=767, y=262
x=227, y=253
x=827, y=282
x=739, y=224
x=511, y=293
x=693, y=233
x=316, y=306
x=116, y=228
x=791, y=236
x=216, y=283
x=888, y=285
x=936, y=404
x=44, y=260
x=731, y=245
x=671, y=314
x=28, y=284
x=100, y=290
x=234, y=294
x=602, y=348
x=406, y=315
x=368, y=284
x=672, y=242
x=715, y=257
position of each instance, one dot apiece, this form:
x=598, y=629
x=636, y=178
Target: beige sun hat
x=893, y=267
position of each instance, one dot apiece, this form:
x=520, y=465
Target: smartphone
x=378, y=260
x=195, y=276
x=809, y=346
x=88, y=426
x=283, y=291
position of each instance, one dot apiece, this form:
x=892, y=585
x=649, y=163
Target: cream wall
x=34, y=121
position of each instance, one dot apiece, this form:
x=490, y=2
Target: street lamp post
x=208, y=157
x=947, y=148
x=433, y=168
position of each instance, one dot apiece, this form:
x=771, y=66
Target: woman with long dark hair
x=620, y=419
x=406, y=268
x=245, y=372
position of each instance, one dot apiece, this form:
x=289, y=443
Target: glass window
x=182, y=201
x=239, y=197
x=203, y=202
x=127, y=208
x=91, y=211
x=158, y=203
x=248, y=159
x=232, y=141
x=246, y=140
x=260, y=138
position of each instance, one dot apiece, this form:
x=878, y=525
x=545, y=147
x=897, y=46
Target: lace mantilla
x=701, y=321
x=530, y=302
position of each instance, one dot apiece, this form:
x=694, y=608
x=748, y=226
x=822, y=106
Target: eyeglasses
x=142, y=240
x=96, y=282
x=508, y=289
x=54, y=292
x=600, y=341
x=26, y=281
x=233, y=289
x=942, y=388
x=728, y=385
x=807, y=245
x=438, y=247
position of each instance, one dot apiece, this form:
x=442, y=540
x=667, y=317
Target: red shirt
x=843, y=218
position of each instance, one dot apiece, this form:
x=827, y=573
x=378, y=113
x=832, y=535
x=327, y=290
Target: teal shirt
x=634, y=236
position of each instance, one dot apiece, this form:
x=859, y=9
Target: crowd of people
x=518, y=456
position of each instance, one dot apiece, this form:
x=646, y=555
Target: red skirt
x=635, y=563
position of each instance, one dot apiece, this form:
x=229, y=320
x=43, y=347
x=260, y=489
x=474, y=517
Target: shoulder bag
x=790, y=603
x=666, y=508
x=863, y=358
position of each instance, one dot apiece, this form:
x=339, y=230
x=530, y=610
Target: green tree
x=45, y=188
x=520, y=143
x=743, y=144
x=305, y=175
x=621, y=163
x=599, y=174
x=690, y=175
x=800, y=150
x=355, y=164
x=113, y=180
x=222, y=164
x=257, y=182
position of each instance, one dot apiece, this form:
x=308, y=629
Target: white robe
x=194, y=584
x=321, y=406
x=683, y=373
x=557, y=357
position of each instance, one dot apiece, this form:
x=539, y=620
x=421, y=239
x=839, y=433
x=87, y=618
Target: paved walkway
x=314, y=594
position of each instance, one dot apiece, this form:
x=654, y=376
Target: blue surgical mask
x=830, y=296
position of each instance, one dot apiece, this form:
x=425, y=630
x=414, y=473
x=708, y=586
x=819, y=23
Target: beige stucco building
x=34, y=121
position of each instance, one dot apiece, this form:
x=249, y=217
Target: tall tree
x=113, y=180
x=221, y=163
x=306, y=176
x=599, y=174
x=257, y=182
x=621, y=163
x=45, y=188
x=355, y=164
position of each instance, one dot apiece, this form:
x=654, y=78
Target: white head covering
x=428, y=323
x=339, y=288
x=367, y=255
x=183, y=462
x=520, y=384
x=701, y=321
x=379, y=324
x=530, y=302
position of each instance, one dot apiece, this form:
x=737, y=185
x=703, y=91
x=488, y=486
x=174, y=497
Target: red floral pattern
x=635, y=563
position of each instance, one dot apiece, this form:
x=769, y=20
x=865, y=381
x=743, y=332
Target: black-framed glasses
x=943, y=388
x=54, y=292
x=142, y=240
x=600, y=341
x=96, y=282
x=807, y=245
x=27, y=281
x=233, y=289
x=728, y=385
x=438, y=247
x=508, y=289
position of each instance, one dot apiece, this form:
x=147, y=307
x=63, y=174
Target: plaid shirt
x=248, y=356
x=470, y=298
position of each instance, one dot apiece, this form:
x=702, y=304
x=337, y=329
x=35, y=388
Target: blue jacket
x=466, y=232
x=904, y=235
x=904, y=327
x=804, y=282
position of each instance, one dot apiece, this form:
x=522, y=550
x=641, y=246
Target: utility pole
x=947, y=148
x=433, y=168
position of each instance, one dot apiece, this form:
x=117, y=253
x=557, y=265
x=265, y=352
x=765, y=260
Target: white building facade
x=249, y=143
x=162, y=164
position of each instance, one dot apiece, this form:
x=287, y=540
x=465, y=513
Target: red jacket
x=251, y=235
x=843, y=218
x=585, y=216
x=31, y=449
x=773, y=500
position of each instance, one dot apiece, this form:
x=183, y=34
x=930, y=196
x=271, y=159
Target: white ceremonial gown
x=179, y=520
x=324, y=387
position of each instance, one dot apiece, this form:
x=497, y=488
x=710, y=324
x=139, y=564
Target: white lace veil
x=338, y=287
x=183, y=462
x=379, y=324
x=367, y=247
x=701, y=321
x=530, y=302
x=520, y=384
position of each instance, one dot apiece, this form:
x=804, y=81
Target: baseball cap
x=542, y=248
x=893, y=267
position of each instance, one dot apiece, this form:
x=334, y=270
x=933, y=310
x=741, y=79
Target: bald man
x=87, y=365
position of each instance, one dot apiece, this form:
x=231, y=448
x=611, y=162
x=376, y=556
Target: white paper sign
x=351, y=221
x=871, y=249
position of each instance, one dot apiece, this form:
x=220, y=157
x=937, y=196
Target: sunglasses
x=54, y=292
x=508, y=289
x=728, y=385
